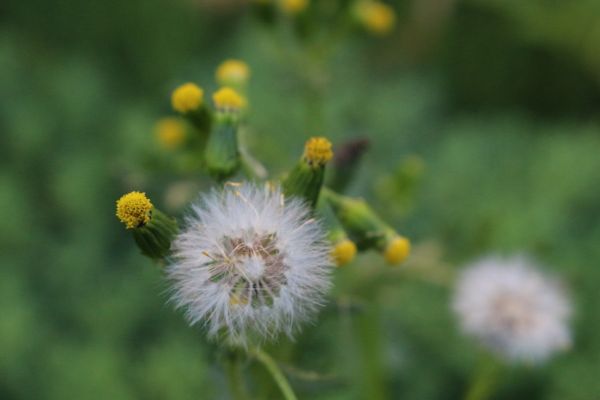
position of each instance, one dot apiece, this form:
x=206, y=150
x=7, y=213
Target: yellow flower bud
x=343, y=252
x=134, y=209
x=397, y=250
x=377, y=17
x=233, y=72
x=228, y=99
x=170, y=132
x=317, y=151
x=187, y=97
x=293, y=6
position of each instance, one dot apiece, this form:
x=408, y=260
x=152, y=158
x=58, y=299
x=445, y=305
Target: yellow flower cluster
x=187, y=97
x=134, y=209
x=317, y=150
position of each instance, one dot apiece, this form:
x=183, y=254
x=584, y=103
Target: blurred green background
x=494, y=102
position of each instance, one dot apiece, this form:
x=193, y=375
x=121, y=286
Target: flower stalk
x=271, y=366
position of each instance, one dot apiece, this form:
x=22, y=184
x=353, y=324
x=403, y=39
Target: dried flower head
x=187, y=97
x=513, y=309
x=249, y=264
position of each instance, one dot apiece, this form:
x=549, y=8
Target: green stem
x=485, y=380
x=278, y=376
x=235, y=378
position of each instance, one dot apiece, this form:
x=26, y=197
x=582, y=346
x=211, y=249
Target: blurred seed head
x=513, y=309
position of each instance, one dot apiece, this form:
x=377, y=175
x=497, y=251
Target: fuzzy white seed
x=249, y=266
x=513, y=309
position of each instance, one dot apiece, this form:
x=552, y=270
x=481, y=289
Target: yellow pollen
x=397, y=250
x=187, y=97
x=170, y=132
x=293, y=6
x=377, y=17
x=317, y=150
x=343, y=252
x=232, y=72
x=227, y=98
x=236, y=300
x=134, y=209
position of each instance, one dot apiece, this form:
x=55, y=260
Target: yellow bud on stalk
x=222, y=153
x=376, y=17
x=188, y=100
x=152, y=230
x=233, y=73
x=170, y=133
x=343, y=252
x=134, y=209
x=227, y=99
x=317, y=151
x=187, y=97
x=306, y=179
x=293, y=7
x=397, y=250
x=366, y=228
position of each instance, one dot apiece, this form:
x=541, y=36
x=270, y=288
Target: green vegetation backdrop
x=497, y=101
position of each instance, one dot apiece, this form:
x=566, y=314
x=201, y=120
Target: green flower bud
x=222, y=154
x=152, y=230
x=306, y=179
x=367, y=229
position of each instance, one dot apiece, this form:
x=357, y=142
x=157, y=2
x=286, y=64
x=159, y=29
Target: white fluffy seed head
x=249, y=264
x=513, y=309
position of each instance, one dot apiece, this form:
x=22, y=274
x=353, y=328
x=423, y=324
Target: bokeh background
x=482, y=117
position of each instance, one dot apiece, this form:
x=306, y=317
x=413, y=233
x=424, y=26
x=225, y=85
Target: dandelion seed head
x=248, y=265
x=513, y=309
